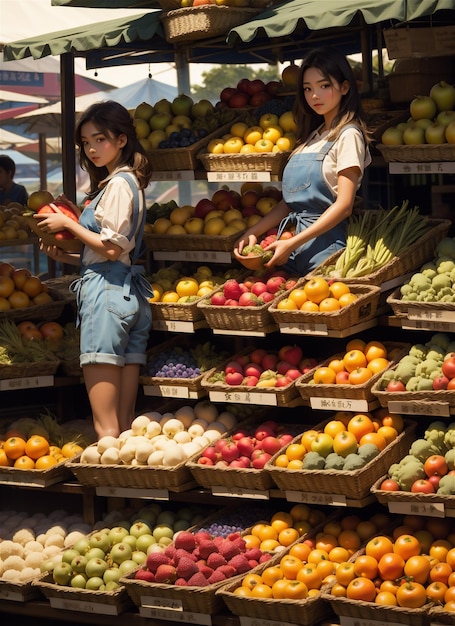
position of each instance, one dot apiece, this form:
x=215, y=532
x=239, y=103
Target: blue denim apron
x=308, y=195
x=126, y=288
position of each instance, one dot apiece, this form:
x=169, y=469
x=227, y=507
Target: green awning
x=90, y=37
x=284, y=19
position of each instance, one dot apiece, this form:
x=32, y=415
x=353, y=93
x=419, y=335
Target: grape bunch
x=181, y=362
x=237, y=520
x=278, y=106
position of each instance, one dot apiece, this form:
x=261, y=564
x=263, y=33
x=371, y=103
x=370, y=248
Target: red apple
x=227, y=93
x=283, y=366
x=249, y=199
x=250, y=381
x=203, y=207
x=231, y=289
x=448, y=367
x=234, y=378
x=253, y=369
x=204, y=460
x=256, y=86
x=263, y=431
x=285, y=438
x=231, y=302
x=271, y=445
x=422, y=486
x=230, y=452
x=258, y=288
x=223, y=200
x=257, y=355
x=307, y=364
x=342, y=378
x=293, y=354
x=269, y=362
x=239, y=100
x=293, y=373
x=395, y=386
x=266, y=297
x=245, y=446
x=243, y=85
x=257, y=99
x=248, y=299
x=211, y=454
x=275, y=283
x=260, y=459
x=283, y=381
x=440, y=382
x=273, y=87
x=218, y=299
x=233, y=366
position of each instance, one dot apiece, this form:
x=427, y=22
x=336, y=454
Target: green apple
x=144, y=111
x=94, y=583
x=163, y=106
x=140, y=528
x=162, y=530
x=144, y=542
x=112, y=585
x=142, y=128
x=165, y=541
x=322, y=444
x=138, y=557
x=79, y=564
x=95, y=567
x=117, y=534
x=95, y=553
x=120, y=552
x=47, y=566
x=100, y=540
x=158, y=121
x=69, y=555
x=112, y=574
x=127, y=566
x=82, y=545
x=79, y=581
x=62, y=573
x=156, y=137
x=130, y=540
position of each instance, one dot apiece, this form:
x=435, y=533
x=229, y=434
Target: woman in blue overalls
x=113, y=310
x=324, y=172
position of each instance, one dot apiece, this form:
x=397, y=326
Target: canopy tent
x=12, y=96
x=9, y=139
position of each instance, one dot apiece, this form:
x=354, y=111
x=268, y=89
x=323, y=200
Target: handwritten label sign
x=170, y=391
x=304, y=328
x=83, y=606
x=31, y=382
x=233, y=177
x=355, y=621
x=173, y=326
x=237, y=492
x=422, y=407
x=431, y=167
x=339, y=404
x=331, y=499
x=185, y=617
x=126, y=492
x=432, y=509
x=244, y=397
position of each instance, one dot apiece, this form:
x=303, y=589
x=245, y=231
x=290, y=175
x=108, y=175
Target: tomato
x=435, y=465
x=345, y=573
x=449, y=595
x=290, y=566
x=440, y=573
x=36, y=446
x=243, y=592
x=422, y=486
x=338, y=590
x=288, y=536
x=317, y=555
x=251, y=580
x=406, y=546
x=279, y=589
x=261, y=591
x=296, y=590
x=390, y=485
x=393, y=419
x=411, y=595
x=436, y=591
x=366, y=565
x=391, y=566
x=449, y=606
x=360, y=425
x=389, y=585
x=271, y=574
x=451, y=384
x=14, y=447
x=361, y=589
x=448, y=368
x=418, y=568
x=309, y=575
x=386, y=598
x=395, y=386
x=378, y=546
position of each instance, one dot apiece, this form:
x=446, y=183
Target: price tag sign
x=304, y=329
x=338, y=404
x=432, y=509
x=331, y=499
x=173, y=175
x=185, y=617
x=12, y=384
x=85, y=607
x=198, y=256
x=170, y=391
x=355, y=621
x=245, y=397
x=126, y=492
x=432, y=167
x=173, y=326
x=257, y=621
x=10, y=595
x=233, y=177
x=234, y=492
x=423, y=407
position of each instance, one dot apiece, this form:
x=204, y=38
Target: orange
x=349, y=539
x=4, y=460
x=440, y=572
x=32, y=286
x=388, y=433
x=337, y=366
x=279, y=589
x=317, y=555
x=386, y=598
x=14, y=447
x=354, y=359
x=378, y=546
x=6, y=286
x=187, y=286
x=436, y=591
x=391, y=566
x=418, y=567
x=261, y=591
x=281, y=460
x=287, y=304
x=281, y=520
x=329, y=304
x=378, y=364
x=406, y=546
x=339, y=554
x=269, y=545
x=19, y=300
x=24, y=462
x=309, y=307
x=374, y=350
x=361, y=589
x=375, y=438
x=291, y=566
x=295, y=451
x=242, y=591
x=71, y=449
x=344, y=573
x=36, y=446
x=366, y=565
x=347, y=298
x=338, y=288
x=271, y=574
x=45, y=462
x=251, y=580
x=317, y=289
x=266, y=531
x=326, y=542
x=170, y=296
x=300, y=550
x=324, y=376
x=298, y=295
x=251, y=541
x=355, y=344
x=338, y=590
x=310, y=575
x=393, y=419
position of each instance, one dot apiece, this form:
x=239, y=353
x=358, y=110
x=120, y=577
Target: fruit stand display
x=216, y=426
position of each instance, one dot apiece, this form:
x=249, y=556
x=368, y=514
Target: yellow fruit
x=157, y=293
x=180, y=215
x=284, y=144
x=272, y=133
x=247, y=149
x=233, y=145
x=161, y=225
x=214, y=226
x=287, y=122
x=238, y=129
x=253, y=134
x=176, y=229
x=170, y=296
x=215, y=146
x=187, y=286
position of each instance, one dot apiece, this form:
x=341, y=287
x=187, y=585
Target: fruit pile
x=409, y=568
x=177, y=124
x=356, y=366
x=167, y=439
x=247, y=447
x=271, y=133
x=310, y=564
x=12, y=224
x=20, y=289
x=428, y=466
x=169, y=285
x=182, y=362
x=435, y=281
x=253, y=290
x=24, y=343
x=264, y=369
x=225, y=214
x=426, y=367
x=43, y=203
x=347, y=442
x=318, y=294
x=432, y=119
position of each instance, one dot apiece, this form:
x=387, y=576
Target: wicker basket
x=353, y=484
x=388, y=497
x=202, y=22
x=19, y=592
x=26, y=370
x=252, y=318
x=439, y=616
x=175, y=479
x=192, y=599
x=424, y=153
x=101, y=602
x=309, y=390
x=40, y=312
x=69, y=245
x=414, y=257
x=71, y=367
x=164, y=159
x=369, y=611
x=444, y=396
x=363, y=309
x=190, y=242
x=272, y=162
x=34, y=477
x=183, y=312
x=304, y=612
x=401, y=307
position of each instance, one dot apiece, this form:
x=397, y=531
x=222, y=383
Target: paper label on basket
x=157, y=602
x=236, y=492
x=198, y=256
x=432, y=509
x=256, y=621
x=126, y=492
x=316, y=498
x=356, y=621
x=307, y=328
x=84, y=606
x=438, y=315
x=10, y=595
x=339, y=404
x=433, y=320
x=31, y=382
x=173, y=175
x=170, y=391
x=233, y=177
x=245, y=397
x=429, y=167
x=422, y=407
x=173, y=326
x=173, y=616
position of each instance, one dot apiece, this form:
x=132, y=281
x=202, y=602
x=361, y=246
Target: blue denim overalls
x=113, y=311
x=308, y=195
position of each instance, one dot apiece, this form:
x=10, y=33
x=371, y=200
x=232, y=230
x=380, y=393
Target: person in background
x=112, y=293
x=9, y=190
x=324, y=172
